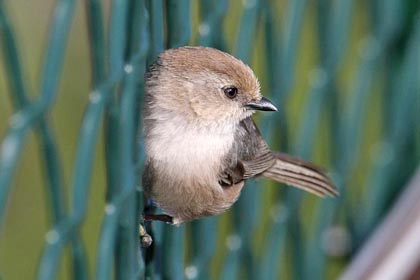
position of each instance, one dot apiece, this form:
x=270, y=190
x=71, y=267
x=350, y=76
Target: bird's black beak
x=263, y=105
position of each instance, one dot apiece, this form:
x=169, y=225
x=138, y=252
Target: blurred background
x=345, y=75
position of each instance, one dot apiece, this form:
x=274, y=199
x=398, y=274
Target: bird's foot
x=145, y=239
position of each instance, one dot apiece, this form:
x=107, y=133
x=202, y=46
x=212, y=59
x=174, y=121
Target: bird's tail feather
x=300, y=174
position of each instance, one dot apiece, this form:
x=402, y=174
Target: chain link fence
x=344, y=75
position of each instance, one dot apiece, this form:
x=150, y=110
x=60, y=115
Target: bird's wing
x=251, y=157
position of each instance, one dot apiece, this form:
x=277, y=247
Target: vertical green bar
x=95, y=26
x=178, y=22
x=116, y=135
x=398, y=132
x=155, y=10
x=333, y=25
x=212, y=14
x=157, y=37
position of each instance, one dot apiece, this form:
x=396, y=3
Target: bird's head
x=204, y=85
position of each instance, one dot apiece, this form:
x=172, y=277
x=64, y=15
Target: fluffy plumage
x=201, y=144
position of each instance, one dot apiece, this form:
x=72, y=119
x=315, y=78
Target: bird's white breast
x=187, y=152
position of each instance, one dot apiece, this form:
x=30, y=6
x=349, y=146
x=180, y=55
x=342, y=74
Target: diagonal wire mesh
x=357, y=113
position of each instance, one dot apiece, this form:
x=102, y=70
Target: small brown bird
x=201, y=142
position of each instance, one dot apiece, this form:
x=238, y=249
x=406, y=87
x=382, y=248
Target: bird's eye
x=231, y=92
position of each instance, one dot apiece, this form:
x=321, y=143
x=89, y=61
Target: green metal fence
x=358, y=114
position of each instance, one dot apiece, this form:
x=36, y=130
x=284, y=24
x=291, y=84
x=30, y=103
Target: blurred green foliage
x=345, y=75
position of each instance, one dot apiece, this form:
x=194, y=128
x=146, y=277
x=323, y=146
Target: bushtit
x=200, y=140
